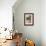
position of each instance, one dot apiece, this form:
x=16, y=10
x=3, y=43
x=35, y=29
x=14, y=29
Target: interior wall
x=29, y=32
x=6, y=13
x=43, y=22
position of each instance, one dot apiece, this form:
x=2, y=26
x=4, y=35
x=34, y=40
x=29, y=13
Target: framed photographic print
x=28, y=19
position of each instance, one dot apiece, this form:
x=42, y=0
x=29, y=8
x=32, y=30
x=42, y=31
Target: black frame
x=31, y=15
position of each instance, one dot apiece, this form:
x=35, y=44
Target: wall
x=6, y=13
x=43, y=22
x=29, y=32
x=6, y=16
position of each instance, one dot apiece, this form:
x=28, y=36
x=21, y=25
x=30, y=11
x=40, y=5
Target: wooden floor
x=9, y=43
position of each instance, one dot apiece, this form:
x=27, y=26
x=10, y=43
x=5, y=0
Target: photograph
x=22, y=22
x=28, y=19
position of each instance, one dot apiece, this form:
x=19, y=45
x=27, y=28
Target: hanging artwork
x=28, y=19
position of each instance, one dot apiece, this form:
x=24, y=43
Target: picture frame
x=28, y=19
